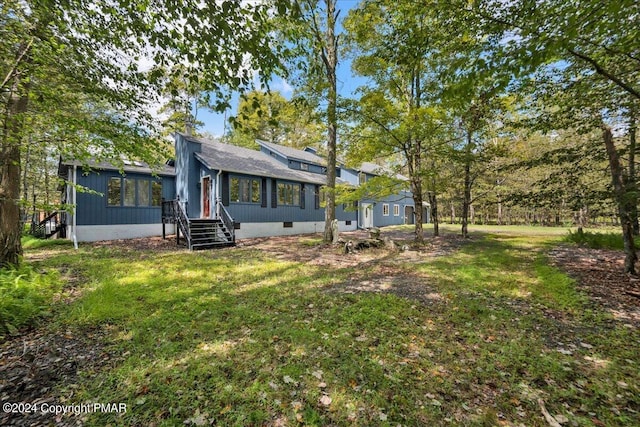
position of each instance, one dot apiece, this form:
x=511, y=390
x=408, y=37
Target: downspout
x=75, y=206
x=218, y=191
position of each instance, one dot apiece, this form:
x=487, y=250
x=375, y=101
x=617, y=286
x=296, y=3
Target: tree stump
x=334, y=231
x=351, y=246
x=374, y=233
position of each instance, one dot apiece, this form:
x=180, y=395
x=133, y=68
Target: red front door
x=206, y=197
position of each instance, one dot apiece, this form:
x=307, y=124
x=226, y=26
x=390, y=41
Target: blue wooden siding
x=188, y=174
x=275, y=155
x=255, y=212
x=402, y=199
x=92, y=209
x=349, y=175
x=294, y=164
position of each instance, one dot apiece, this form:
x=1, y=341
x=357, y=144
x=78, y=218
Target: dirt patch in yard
x=600, y=274
x=310, y=249
x=376, y=270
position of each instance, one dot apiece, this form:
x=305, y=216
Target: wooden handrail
x=226, y=219
x=183, y=221
x=40, y=229
x=49, y=218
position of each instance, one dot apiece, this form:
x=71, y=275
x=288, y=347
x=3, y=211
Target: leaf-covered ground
x=600, y=274
x=287, y=331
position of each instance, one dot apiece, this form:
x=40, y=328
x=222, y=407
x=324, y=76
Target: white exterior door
x=366, y=214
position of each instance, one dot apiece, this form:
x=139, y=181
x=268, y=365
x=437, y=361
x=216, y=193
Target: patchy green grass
x=311, y=241
x=25, y=296
x=30, y=242
x=475, y=229
x=598, y=239
x=239, y=337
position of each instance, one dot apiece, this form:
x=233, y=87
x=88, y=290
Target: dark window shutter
x=302, y=196
x=263, y=201
x=225, y=188
x=316, y=197
x=274, y=193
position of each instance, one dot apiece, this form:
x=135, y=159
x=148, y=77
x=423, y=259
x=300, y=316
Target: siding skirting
x=249, y=230
x=94, y=233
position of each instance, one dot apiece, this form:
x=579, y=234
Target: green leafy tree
x=78, y=62
x=394, y=45
x=583, y=58
x=316, y=38
x=183, y=97
x=270, y=117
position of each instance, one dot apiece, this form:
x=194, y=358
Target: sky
x=214, y=123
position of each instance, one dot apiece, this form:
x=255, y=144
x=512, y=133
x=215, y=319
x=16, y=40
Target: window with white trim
x=396, y=210
x=362, y=178
x=385, y=209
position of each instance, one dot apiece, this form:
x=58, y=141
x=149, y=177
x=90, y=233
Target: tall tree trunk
x=633, y=187
x=499, y=213
x=620, y=193
x=582, y=218
x=330, y=59
x=433, y=201
x=47, y=199
x=416, y=188
x=414, y=164
x=453, y=212
x=10, y=231
x=466, y=200
x=25, y=187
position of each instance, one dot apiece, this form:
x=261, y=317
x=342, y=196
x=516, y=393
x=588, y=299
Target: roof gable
x=231, y=158
x=293, y=153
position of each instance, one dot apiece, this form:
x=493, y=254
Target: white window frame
x=396, y=210
x=385, y=209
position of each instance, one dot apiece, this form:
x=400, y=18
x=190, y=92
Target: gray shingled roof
x=294, y=154
x=373, y=169
x=305, y=156
x=132, y=167
x=231, y=158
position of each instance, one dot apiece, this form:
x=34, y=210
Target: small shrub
x=596, y=240
x=25, y=295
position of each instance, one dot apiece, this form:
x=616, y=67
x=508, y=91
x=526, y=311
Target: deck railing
x=210, y=232
x=182, y=222
x=47, y=227
x=227, y=220
x=168, y=211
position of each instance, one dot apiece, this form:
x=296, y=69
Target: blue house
x=214, y=193
x=122, y=202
